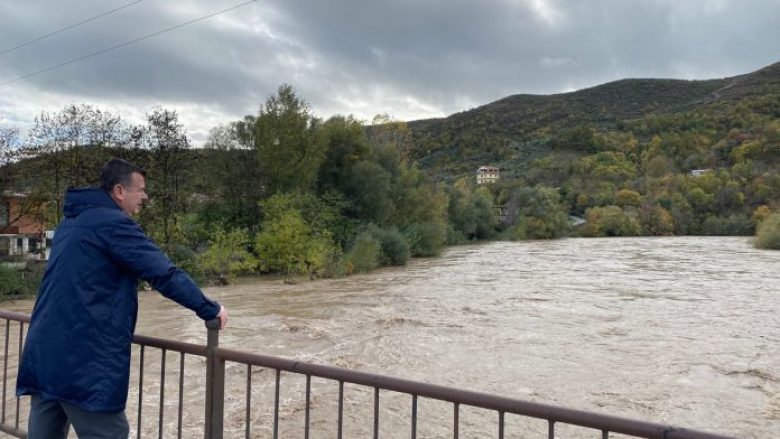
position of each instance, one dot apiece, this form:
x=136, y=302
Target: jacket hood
x=79, y=199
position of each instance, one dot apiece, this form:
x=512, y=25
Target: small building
x=699, y=172
x=487, y=174
x=21, y=231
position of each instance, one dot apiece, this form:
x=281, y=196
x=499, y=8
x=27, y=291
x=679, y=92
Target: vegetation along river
x=679, y=330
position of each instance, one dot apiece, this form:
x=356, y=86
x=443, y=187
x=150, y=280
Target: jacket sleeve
x=130, y=247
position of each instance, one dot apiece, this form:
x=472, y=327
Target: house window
x=4, y=213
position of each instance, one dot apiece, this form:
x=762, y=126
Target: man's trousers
x=52, y=419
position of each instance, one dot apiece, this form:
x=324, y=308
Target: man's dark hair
x=118, y=171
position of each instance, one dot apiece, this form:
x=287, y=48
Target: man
x=76, y=361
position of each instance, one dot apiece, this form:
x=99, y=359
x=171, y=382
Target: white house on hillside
x=487, y=174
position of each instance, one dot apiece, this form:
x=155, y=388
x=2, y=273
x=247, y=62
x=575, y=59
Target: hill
x=513, y=130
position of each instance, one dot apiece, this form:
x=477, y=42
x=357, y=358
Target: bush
x=426, y=239
x=227, y=256
x=287, y=244
x=393, y=246
x=656, y=221
x=185, y=258
x=768, y=233
x=732, y=225
x=610, y=221
x=364, y=254
x=19, y=283
x=627, y=197
x=536, y=213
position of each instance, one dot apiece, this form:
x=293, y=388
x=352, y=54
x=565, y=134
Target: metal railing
x=217, y=358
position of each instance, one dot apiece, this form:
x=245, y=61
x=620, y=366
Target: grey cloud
x=410, y=58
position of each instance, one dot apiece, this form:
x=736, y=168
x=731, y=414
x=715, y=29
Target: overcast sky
x=409, y=58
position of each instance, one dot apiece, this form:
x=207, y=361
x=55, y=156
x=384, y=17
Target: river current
x=677, y=330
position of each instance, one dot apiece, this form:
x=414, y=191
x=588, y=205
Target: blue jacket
x=78, y=344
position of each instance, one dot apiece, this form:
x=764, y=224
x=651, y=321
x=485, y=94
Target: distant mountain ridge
x=489, y=132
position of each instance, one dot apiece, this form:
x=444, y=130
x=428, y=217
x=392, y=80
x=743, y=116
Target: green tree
x=656, y=220
x=627, y=198
x=346, y=146
x=285, y=136
x=288, y=244
x=370, y=191
x=610, y=221
x=232, y=178
x=426, y=239
x=609, y=166
x=394, y=250
x=536, y=213
x=768, y=233
x=9, y=153
x=167, y=141
x=69, y=148
x=227, y=255
x=364, y=255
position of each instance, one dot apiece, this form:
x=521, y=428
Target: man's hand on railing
x=223, y=317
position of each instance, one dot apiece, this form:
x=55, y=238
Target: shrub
x=610, y=221
x=19, y=283
x=185, y=258
x=227, y=256
x=364, y=254
x=760, y=214
x=627, y=197
x=768, y=233
x=656, y=221
x=536, y=213
x=287, y=244
x=10, y=281
x=732, y=225
x=393, y=245
x=426, y=239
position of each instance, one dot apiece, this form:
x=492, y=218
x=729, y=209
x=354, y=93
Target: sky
x=411, y=59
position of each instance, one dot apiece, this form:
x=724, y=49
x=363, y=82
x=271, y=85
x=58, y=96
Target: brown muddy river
x=681, y=330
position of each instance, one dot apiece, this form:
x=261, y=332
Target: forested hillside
x=622, y=153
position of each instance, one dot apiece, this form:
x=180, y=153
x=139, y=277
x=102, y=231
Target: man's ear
x=117, y=191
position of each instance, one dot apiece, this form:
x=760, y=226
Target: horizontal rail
x=170, y=345
x=9, y=315
x=155, y=342
x=15, y=432
x=551, y=413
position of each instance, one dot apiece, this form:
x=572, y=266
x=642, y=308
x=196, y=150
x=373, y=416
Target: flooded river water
x=681, y=330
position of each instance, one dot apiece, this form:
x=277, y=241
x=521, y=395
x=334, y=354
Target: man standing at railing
x=76, y=360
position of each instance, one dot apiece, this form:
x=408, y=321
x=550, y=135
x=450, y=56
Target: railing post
x=215, y=384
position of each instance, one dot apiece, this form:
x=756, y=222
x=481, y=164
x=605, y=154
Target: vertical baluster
x=140, y=389
x=604, y=434
x=162, y=395
x=550, y=429
x=500, y=425
x=414, y=416
x=341, y=409
x=276, y=405
x=248, y=399
x=5, y=363
x=456, y=421
x=376, y=412
x=21, y=346
x=181, y=394
x=308, y=407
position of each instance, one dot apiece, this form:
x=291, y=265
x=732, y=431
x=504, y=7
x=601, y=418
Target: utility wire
x=27, y=43
x=126, y=43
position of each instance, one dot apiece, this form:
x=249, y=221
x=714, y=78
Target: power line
x=126, y=43
x=27, y=43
